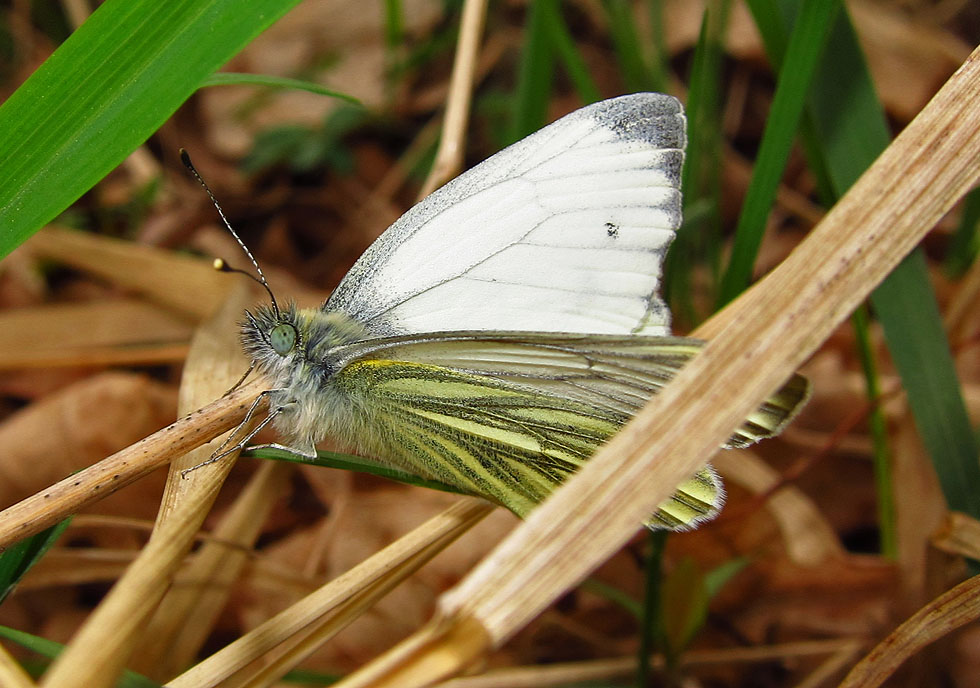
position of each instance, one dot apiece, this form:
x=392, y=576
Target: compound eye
x=283, y=338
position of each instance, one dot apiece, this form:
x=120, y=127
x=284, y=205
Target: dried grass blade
x=103, y=645
x=807, y=536
x=12, y=675
x=185, y=283
x=606, y=670
x=45, y=508
x=369, y=579
x=768, y=333
x=946, y=613
x=959, y=536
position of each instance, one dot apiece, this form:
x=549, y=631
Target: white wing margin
x=564, y=231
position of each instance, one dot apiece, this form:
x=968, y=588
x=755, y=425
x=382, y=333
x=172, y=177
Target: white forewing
x=565, y=231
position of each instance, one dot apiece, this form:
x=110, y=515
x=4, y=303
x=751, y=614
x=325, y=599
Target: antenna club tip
x=220, y=265
x=186, y=159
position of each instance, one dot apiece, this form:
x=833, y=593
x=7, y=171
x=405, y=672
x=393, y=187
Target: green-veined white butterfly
x=507, y=325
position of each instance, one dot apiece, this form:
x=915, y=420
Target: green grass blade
x=104, y=91
x=18, y=560
x=349, y=462
x=965, y=243
x=237, y=79
x=878, y=427
x=907, y=309
x=535, y=72
x=842, y=142
x=568, y=54
x=806, y=45
x=627, y=45
x=50, y=649
x=699, y=239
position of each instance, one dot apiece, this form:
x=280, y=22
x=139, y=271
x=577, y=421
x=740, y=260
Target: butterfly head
x=273, y=337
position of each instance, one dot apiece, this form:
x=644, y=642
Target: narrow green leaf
x=652, y=622
x=626, y=44
x=907, y=308
x=18, y=559
x=699, y=239
x=236, y=79
x=568, y=54
x=718, y=577
x=349, y=462
x=104, y=91
x=964, y=245
x=535, y=72
x=878, y=427
x=50, y=650
x=802, y=56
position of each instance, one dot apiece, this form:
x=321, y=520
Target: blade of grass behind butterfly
x=535, y=71
x=51, y=649
x=803, y=52
x=568, y=54
x=965, y=243
x=626, y=43
x=699, y=238
x=842, y=57
x=18, y=560
x=848, y=140
x=104, y=91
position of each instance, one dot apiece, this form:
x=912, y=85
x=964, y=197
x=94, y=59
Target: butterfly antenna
x=219, y=264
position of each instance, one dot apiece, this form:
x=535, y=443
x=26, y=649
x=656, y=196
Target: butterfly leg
x=221, y=452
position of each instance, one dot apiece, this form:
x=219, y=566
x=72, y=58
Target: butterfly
x=510, y=323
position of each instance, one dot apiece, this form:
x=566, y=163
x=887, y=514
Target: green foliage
x=104, y=91
x=18, y=559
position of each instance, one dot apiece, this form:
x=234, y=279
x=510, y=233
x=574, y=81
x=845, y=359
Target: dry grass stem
x=625, y=667
x=767, y=334
x=146, y=270
x=337, y=601
x=97, y=332
x=946, y=613
x=66, y=497
x=111, y=633
x=449, y=156
x=959, y=536
x=11, y=673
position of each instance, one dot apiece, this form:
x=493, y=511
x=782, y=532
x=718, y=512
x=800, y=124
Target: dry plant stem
x=12, y=675
x=376, y=574
x=959, y=536
x=624, y=667
x=447, y=527
x=766, y=335
x=833, y=665
x=100, y=649
x=449, y=156
x=146, y=270
x=946, y=613
x=200, y=590
x=66, y=497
